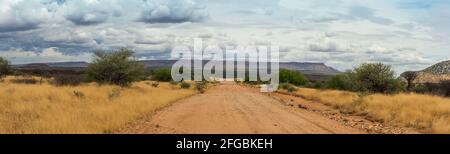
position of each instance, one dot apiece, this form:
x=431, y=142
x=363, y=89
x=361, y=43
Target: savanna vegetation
x=118, y=68
x=4, y=68
x=373, y=91
x=425, y=112
x=86, y=108
x=111, y=93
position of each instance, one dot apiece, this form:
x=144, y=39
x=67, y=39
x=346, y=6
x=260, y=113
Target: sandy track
x=233, y=109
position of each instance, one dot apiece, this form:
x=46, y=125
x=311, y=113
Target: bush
x=292, y=77
x=185, y=85
x=441, y=89
x=201, y=86
x=340, y=82
x=155, y=84
x=288, y=87
x=284, y=86
x=5, y=68
x=163, y=75
x=421, y=89
x=67, y=80
x=377, y=78
x=318, y=85
x=118, y=68
x=292, y=89
x=371, y=78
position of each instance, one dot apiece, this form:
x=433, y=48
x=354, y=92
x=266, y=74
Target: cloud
x=52, y=54
x=330, y=45
x=259, y=11
x=173, y=11
x=90, y=12
x=361, y=12
x=21, y=15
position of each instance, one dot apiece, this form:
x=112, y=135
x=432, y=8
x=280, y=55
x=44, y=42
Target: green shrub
x=288, y=87
x=340, y=82
x=5, y=68
x=318, y=85
x=292, y=89
x=284, y=86
x=163, y=75
x=368, y=78
x=118, y=68
x=292, y=77
x=376, y=77
x=185, y=85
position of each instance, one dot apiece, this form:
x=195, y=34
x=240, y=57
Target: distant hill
x=434, y=74
x=310, y=68
x=442, y=68
x=314, y=71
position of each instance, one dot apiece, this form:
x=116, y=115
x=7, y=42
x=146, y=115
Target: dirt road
x=233, y=109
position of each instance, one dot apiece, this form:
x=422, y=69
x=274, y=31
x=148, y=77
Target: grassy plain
x=42, y=108
x=425, y=112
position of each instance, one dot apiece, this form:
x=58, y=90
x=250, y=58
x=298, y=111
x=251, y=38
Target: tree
x=409, y=77
x=292, y=77
x=118, y=68
x=5, y=69
x=376, y=77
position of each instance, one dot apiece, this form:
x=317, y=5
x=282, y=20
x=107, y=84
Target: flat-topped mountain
x=307, y=68
x=313, y=71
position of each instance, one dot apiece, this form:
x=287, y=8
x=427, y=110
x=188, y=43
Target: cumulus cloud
x=173, y=11
x=90, y=12
x=330, y=45
x=20, y=15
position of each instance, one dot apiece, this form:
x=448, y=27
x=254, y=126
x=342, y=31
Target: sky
x=407, y=34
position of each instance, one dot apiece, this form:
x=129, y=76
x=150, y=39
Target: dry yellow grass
x=337, y=99
x=43, y=108
x=431, y=113
x=411, y=110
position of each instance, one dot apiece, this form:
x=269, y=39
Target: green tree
x=5, y=68
x=118, y=68
x=375, y=77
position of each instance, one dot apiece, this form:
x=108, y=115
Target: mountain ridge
x=304, y=67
